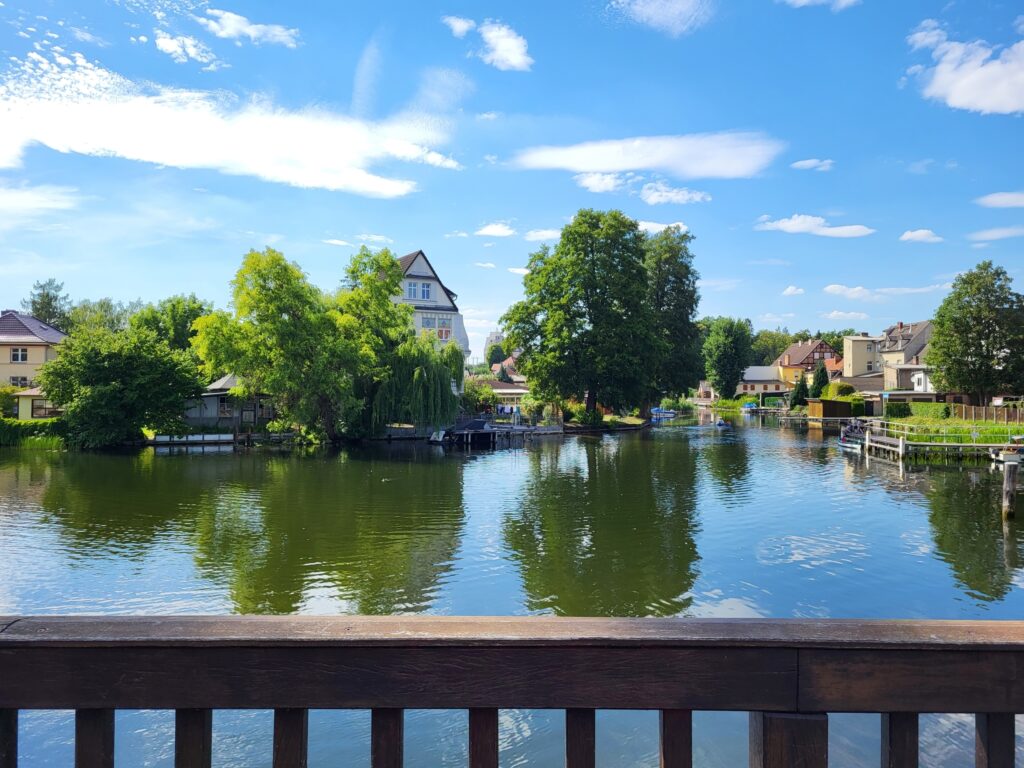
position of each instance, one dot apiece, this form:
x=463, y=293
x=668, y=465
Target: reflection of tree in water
x=968, y=531
x=606, y=527
x=728, y=462
x=378, y=532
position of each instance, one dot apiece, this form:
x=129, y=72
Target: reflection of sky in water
x=687, y=521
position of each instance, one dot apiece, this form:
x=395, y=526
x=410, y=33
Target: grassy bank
x=44, y=434
x=925, y=429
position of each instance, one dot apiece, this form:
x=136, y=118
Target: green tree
x=103, y=314
x=112, y=384
x=767, y=345
x=727, y=351
x=495, y=354
x=477, y=396
x=585, y=326
x=820, y=380
x=46, y=303
x=8, y=402
x=977, y=343
x=171, y=319
x=503, y=375
x=672, y=299
x=799, y=394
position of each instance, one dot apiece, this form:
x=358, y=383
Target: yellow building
x=862, y=355
x=25, y=344
x=32, y=404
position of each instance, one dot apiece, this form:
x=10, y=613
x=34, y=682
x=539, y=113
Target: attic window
x=425, y=291
x=410, y=290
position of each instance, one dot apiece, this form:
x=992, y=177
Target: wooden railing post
x=483, y=738
x=993, y=740
x=899, y=740
x=788, y=740
x=193, y=738
x=580, y=742
x=387, y=737
x=8, y=738
x=94, y=738
x=676, y=732
x=291, y=738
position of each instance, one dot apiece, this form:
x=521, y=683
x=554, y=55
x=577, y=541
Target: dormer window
x=425, y=291
x=410, y=290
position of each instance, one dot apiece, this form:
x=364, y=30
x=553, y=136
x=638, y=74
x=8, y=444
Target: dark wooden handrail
x=787, y=673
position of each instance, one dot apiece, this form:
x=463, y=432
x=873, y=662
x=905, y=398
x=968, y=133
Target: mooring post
x=903, y=446
x=1009, y=487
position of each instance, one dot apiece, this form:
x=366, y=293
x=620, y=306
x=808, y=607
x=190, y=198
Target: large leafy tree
x=727, y=352
x=977, y=343
x=103, y=314
x=672, y=298
x=494, y=354
x=585, y=326
x=767, y=345
x=47, y=303
x=112, y=384
x=171, y=319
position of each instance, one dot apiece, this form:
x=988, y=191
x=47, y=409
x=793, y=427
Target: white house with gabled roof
x=432, y=301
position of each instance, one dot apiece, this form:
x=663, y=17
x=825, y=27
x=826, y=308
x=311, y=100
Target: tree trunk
x=591, y=399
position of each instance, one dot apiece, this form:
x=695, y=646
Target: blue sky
x=838, y=161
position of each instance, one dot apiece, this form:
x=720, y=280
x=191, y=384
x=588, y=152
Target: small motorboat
x=662, y=413
x=851, y=437
x=723, y=424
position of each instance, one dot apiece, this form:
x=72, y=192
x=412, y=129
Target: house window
x=428, y=322
x=19, y=355
x=410, y=290
x=764, y=387
x=19, y=381
x=444, y=328
x=870, y=365
x=42, y=409
x=869, y=348
x=776, y=387
x=225, y=409
x=425, y=291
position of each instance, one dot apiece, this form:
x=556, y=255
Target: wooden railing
x=787, y=673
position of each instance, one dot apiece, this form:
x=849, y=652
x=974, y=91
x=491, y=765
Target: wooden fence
x=787, y=673
x=1012, y=413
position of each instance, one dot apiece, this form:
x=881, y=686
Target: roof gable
x=410, y=259
x=800, y=351
x=19, y=327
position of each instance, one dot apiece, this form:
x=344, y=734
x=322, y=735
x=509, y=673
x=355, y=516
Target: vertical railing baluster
x=993, y=740
x=483, y=738
x=94, y=738
x=899, y=740
x=580, y=741
x=676, y=734
x=387, y=738
x=787, y=739
x=291, y=738
x=8, y=738
x=193, y=738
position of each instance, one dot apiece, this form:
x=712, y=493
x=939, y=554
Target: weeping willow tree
x=421, y=385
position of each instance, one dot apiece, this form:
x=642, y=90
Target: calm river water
x=678, y=521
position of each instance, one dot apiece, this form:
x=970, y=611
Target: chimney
x=786, y=361
x=900, y=325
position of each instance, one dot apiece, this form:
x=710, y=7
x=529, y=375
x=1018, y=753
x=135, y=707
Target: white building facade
x=433, y=303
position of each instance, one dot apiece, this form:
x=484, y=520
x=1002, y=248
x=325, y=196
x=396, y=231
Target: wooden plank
x=483, y=738
x=193, y=738
x=94, y=738
x=580, y=738
x=8, y=738
x=676, y=733
x=911, y=681
x=788, y=740
x=899, y=740
x=387, y=738
x=423, y=678
x=993, y=740
x=291, y=738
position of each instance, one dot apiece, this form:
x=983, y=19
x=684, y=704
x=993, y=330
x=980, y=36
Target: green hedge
x=14, y=431
x=897, y=410
x=930, y=410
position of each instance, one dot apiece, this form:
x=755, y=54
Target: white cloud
x=792, y=290
x=837, y=5
x=85, y=36
x=488, y=116
x=836, y=314
x=719, y=283
x=674, y=17
x=653, y=227
x=999, y=233
x=1018, y=24
x=599, y=182
x=536, y=235
x=495, y=229
x=484, y=264
x=725, y=155
x=813, y=164
x=458, y=25
x=340, y=243
x=519, y=270
x=657, y=192
x=231, y=26
x=975, y=76
x=979, y=246
x=182, y=48
x=772, y=317
x=802, y=224
x=860, y=293
x=20, y=206
x=505, y=49
x=920, y=236
x=491, y=159
x=364, y=83
x=367, y=238
x=457, y=233
x=1002, y=200
x=81, y=108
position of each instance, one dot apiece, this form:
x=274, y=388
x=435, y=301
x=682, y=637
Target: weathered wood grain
x=291, y=738
x=788, y=740
x=94, y=738
x=193, y=738
x=8, y=738
x=483, y=738
x=994, y=740
x=387, y=738
x=899, y=740
x=675, y=728
x=580, y=738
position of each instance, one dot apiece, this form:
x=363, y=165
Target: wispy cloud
x=719, y=283
x=457, y=233
x=673, y=17
x=772, y=317
x=920, y=236
x=23, y=205
x=792, y=290
x=658, y=192
x=653, y=227
x=998, y=233
x=537, y=235
x=232, y=26
x=484, y=264
x=1002, y=200
x=85, y=36
x=495, y=229
x=519, y=270
x=836, y=314
x=369, y=238
x=860, y=293
x=726, y=155
x=183, y=48
x=813, y=164
x=802, y=224
x=340, y=243
x=599, y=182
x=836, y=5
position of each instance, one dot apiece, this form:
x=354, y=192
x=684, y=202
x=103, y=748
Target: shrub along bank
x=47, y=433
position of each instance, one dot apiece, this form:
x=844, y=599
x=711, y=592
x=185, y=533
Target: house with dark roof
x=433, y=302
x=902, y=347
x=222, y=407
x=25, y=344
x=802, y=357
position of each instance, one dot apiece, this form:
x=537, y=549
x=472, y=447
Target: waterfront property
x=221, y=407
x=508, y=393
x=32, y=404
x=433, y=302
x=25, y=344
x=903, y=347
x=764, y=381
x=801, y=358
